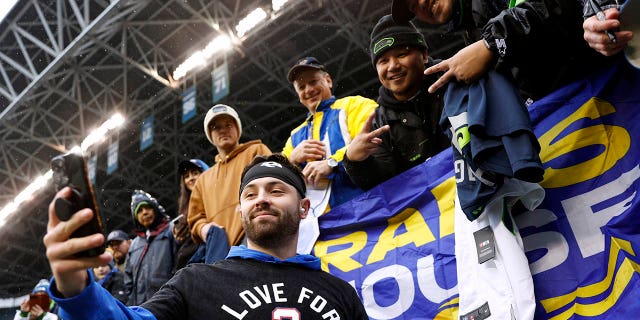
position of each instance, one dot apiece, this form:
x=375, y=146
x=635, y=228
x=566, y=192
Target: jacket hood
x=241, y=147
x=140, y=197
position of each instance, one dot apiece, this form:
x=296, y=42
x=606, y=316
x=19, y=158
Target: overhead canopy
x=67, y=66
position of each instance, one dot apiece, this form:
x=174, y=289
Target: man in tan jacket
x=212, y=208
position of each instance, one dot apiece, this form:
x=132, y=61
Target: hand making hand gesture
x=367, y=142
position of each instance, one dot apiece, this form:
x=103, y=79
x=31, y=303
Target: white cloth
x=309, y=229
x=503, y=282
x=47, y=316
x=319, y=197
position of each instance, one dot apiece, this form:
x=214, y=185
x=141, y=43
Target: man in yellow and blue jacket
x=318, y=144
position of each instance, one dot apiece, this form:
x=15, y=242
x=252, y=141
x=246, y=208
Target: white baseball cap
x=218, y=110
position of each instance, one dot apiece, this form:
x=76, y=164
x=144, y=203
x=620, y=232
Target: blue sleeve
x=95, y=302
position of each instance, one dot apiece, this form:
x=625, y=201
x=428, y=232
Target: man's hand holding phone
x=69, y=270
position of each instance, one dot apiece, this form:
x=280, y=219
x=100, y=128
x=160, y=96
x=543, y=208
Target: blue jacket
x=152, y=253
x=492, y=138
x=149, y=265
x=337, y=121
x=114, y=283
x=95, y=303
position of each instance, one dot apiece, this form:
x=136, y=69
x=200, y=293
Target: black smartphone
x=71, y=170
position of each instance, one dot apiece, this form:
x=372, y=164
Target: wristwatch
x=333, y=163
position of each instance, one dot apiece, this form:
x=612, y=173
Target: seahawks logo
x=463, y=136
x=383, y=43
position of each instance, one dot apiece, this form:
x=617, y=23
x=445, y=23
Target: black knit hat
x=388, y=34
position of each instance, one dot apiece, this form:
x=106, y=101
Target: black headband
x=274, y=170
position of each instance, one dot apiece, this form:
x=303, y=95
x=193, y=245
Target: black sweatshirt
x=250, y=289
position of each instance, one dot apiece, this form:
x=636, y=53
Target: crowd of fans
x=227, y=212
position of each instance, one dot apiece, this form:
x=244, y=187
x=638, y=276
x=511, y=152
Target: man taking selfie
x=264, y=279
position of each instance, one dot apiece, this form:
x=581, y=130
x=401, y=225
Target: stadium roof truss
x=68, y=65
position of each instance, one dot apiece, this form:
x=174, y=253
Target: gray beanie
x=387, y=34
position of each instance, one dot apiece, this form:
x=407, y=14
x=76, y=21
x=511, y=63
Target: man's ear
x=329, y=80
x=305, y=205
x=425, y=56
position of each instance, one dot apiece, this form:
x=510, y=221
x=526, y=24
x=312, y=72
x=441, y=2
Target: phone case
x=41, y=299
x=71, y=170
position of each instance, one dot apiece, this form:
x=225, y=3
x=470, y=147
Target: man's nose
x=262, y=198
x=393, y=63
x=308, y=89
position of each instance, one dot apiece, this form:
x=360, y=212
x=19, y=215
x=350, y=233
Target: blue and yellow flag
x=395, y=243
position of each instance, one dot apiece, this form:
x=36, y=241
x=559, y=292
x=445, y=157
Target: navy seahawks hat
x=304, y=63
x=185, y=165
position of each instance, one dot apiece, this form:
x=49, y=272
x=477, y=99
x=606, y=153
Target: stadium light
x=220, y=43
x=250, y=21
x=76, y=149
x=223, y=42
x=5, y=7
x=199, y=59
x=40, y=182
x=98, y=135
x=276, y=5
x=26, y=195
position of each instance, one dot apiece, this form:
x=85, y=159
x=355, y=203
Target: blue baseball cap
x=185, y=165
x=304, y=63
x=117, y=235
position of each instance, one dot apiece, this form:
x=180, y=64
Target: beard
x=272, y=234
x=119, y=258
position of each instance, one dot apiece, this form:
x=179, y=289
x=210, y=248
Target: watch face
x=332, y=162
